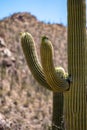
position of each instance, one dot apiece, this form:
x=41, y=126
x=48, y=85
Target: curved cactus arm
x=29, y=51
x=57, y=81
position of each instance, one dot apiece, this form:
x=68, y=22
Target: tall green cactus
x=29, y=50
x=75, y=98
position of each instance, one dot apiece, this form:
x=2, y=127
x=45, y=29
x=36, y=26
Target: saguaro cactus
x=29, y=50
x=56, y=79
x=75, y=99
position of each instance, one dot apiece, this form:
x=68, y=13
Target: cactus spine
x=74, y=99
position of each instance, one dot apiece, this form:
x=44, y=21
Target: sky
x=53, y=11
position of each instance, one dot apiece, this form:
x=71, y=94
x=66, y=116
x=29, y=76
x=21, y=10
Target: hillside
x=24, y=103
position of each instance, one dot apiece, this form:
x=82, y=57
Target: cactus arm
x=29, y=51
x=55, y=80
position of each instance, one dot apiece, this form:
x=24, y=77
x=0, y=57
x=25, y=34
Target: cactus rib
x=54, y=79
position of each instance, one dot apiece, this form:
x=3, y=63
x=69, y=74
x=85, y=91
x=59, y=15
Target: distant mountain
x=23, y=100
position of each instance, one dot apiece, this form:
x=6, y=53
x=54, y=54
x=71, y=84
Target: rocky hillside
x=24, y=104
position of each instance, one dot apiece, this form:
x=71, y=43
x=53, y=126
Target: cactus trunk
x=75, y=99
x=57, y=118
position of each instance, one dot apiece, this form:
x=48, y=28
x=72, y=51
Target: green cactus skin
x=58, y=83
x=75, y=99
x=28, y=47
